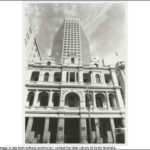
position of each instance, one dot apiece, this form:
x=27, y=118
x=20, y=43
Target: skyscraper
x=71, y=42
x=30, y=45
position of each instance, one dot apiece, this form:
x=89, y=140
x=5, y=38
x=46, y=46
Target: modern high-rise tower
x=71, y=42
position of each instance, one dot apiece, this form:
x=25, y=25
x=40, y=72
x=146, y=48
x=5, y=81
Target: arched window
x=97, y=78
x=57, y=77
x=86, y=77
x=72, y=100
x=48, y=63
x=72, y=60
x=30, y=98
x=112, y=100
x=46, y=76
x=107, y=78
x=55, y=100
x=35, y=76
x=43, y=98
x=96, y=65
x=100, y=100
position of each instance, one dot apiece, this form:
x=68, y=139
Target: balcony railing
x=66, y=109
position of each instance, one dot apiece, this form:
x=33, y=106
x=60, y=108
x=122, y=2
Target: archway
x=100, y=100
x=56, y=98
x=72, y=130
x=112, y=100
x=43, y=98
x=30, y=98
x=72, y=100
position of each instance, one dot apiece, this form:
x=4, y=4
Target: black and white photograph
x=74, y=72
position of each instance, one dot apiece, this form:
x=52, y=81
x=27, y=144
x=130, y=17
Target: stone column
x=35, y=102
x=68, y=76
x=41, y=76
x=62, y=101
x=114, y=77
x=63, y=76
x=119, y=98
x=83, y=130
x=92, y=78
x=80, y=76
x=102, y=78
x=97, y=125
x=75, y=77
x=60, y=131
x=113, y=129
x=51, y=77
x=28, y=130
x=50, y=103
x=107, y=101
x=46, y=134
x=82, y=101
x=94, y=100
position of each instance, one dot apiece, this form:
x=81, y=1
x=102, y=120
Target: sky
x=104, y=24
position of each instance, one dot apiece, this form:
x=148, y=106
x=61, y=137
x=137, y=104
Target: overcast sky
x=104, y=25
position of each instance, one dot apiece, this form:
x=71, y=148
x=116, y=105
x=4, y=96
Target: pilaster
x=28, y=130
x=114, y=77
x=119, y=98
x=97, y=125
x=113, y=129
x=46, y=134
x=35, y=102
x=50, y=103
x=60, y=131
x=83, y=130
x=107, y=100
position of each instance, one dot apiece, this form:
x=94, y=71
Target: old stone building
x=71, y=97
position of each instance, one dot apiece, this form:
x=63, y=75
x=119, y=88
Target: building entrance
x=72, y=132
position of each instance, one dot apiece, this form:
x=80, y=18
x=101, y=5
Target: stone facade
x=73, y=103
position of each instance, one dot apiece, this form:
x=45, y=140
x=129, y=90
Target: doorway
x=72, y=131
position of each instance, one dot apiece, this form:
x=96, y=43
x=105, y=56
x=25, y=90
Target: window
x=97, y=78
x=46, y=76
x=100, y=100
x=112, y=100
x=57, y=77
x=56, y=97
x=35, y=76
x=48, y=63
x=107, y=78
x=30, y=98
x=72, y=77
x=72, y=60
x=86, y=78
x=96, y=65
x=43, y=98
